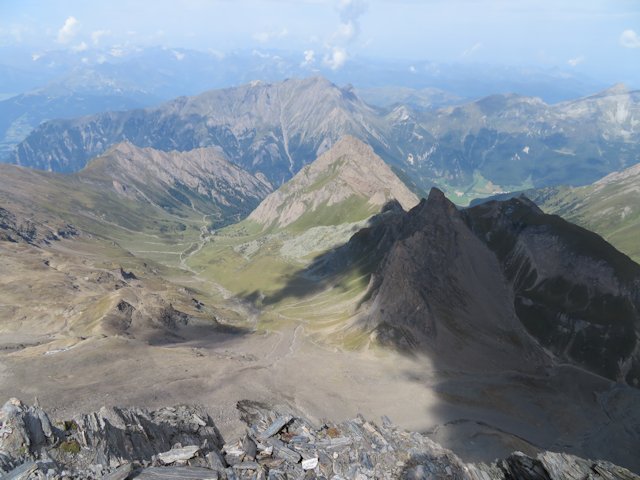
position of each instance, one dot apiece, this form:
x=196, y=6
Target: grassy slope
x=96, y=209
x=254, y=264
x=611, y=210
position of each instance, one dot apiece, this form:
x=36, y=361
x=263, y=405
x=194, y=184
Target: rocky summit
x=182, y=442
x=349, y=175
x=502, y=280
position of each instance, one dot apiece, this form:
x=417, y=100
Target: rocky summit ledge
x=183, y=443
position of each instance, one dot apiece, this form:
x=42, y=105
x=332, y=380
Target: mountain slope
x=350, y=173
x=609, y=207
x=315, y=212
x=476, y=286
x=201, y=180
x=71, y=243
x=139, y=189
x=269, y=129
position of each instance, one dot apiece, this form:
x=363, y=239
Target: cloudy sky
x=600, y=38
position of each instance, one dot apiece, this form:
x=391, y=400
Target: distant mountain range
x=168, y=72
x=47, y=85
x=496, y=144
x=80, y=93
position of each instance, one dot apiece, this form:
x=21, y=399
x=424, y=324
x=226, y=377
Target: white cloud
x=309, y=58
x=15, y=33
x=98, y=34
x=630, y=39
x=351, y=10
x=470, y=51
x=346, y=32
x=178, y=55
x=81, y=47
x=117, y=51
x=264, y=37
x=574, y=62
x=259, y=54
x=336, y=58
x=68, y=30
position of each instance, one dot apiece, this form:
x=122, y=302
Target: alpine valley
x=287, y=257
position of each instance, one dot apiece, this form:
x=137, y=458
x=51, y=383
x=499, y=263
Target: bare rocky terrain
x=183, y=442
x=140, y=307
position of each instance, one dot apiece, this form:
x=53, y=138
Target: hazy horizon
x=598, y=39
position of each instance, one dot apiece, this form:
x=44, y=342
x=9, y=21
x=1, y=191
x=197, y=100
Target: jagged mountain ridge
x=478, y=285
x=498, y=143
x=272, y=129
x=130, y=186
x=201, y=179
x=349, y=172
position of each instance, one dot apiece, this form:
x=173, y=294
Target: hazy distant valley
x=461, y=260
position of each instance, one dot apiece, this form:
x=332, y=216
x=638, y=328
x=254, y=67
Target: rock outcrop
x=182, y=442
x=17, y=229
x=502, y=282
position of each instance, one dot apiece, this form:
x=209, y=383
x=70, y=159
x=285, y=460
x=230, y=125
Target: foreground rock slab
x=183, y=443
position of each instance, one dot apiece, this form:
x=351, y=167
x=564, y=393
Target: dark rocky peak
x=573, y=291
x=438, y=201
x=501, y=223
x=431, y=215
x=392, y=205
x=437, y=287
x=502, y=280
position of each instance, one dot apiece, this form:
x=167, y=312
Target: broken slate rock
x=178, y=454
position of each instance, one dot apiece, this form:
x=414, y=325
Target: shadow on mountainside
x=496, y=388
x=358, y=257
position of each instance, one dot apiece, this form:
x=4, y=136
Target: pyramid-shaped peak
x=349, y=173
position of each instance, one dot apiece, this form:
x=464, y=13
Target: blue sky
x=600, y=38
